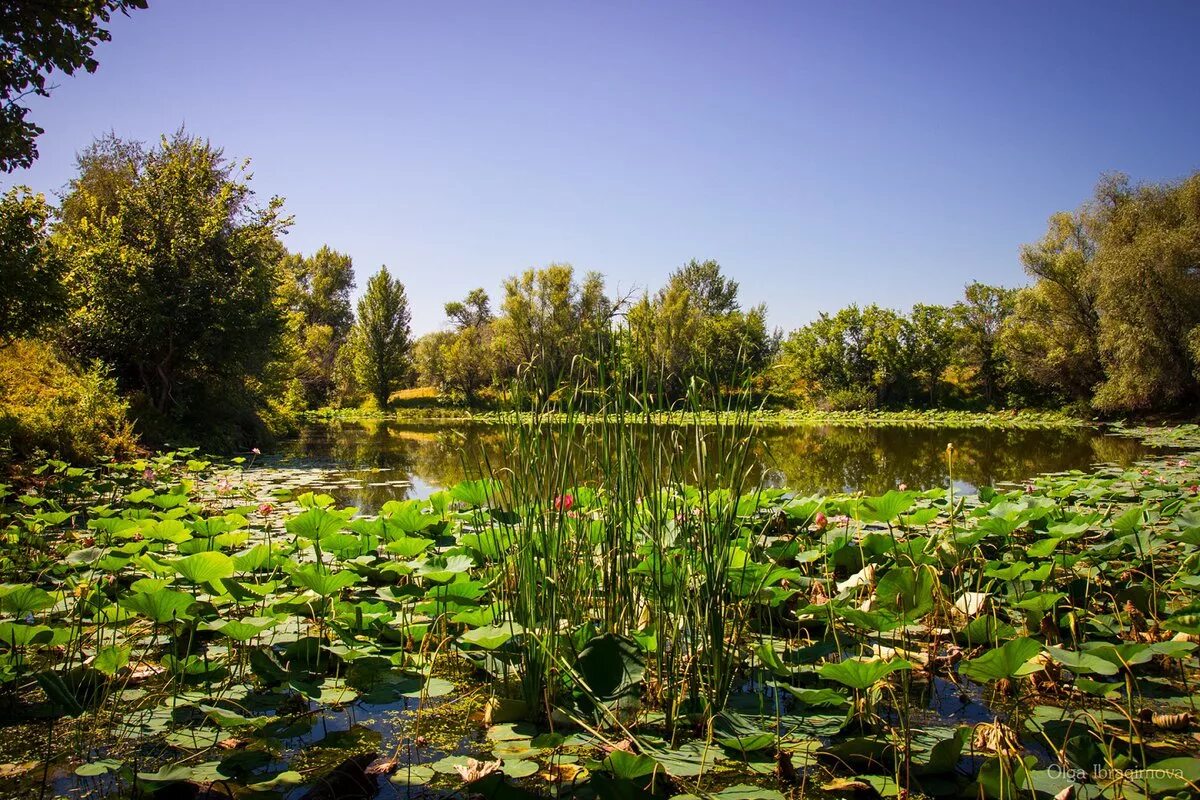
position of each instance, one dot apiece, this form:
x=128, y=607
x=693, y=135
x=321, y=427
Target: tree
x=1113, y=314
x=930, y=347
x=317, y=291
x=1052, y=338
x=856, y=358
x=319, y=288
x=1147, y=273
x=713, y=293
x=664, y=332
x=465, y=356
x=382, y=334
x=459, y=360
x=979, y=316
x=473, y=311
x=694, y=326
x=173, y=270
x=735, y=345
x=37, y=38
x=548, y=321
x=31, y=269
x=825, y=361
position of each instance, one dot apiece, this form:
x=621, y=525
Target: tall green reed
x=628, y=528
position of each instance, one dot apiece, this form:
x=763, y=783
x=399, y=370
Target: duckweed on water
x=174, y=624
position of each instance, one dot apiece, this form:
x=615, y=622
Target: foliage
x=31, y=269
x=710, y=629
x=1147, y=275
x=50, y=404
x=694, y=327
x=547, y=322
x=459, y=361
x=381, y=337
x=1112, y=316
x=316, y=290
x=980, y=315
x=870, y=357
x=35, y=40
x=1052, y=337
x=173, y=273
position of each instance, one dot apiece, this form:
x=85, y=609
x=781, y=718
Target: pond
x=365, y=464
x=192, y=637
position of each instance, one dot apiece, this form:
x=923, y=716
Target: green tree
x=664, y=332
x=826, y=361
x=1147, y=273
x=317, y=290
x=466, y=356
x=980, y=315
x=382, y=337
x=548, y=321
x=473, y=311
x=929, y=345
x=459, y=360
x=856, y=358
x=429, y=358
x=31, y=269
x=1052, y=338
x=712, y=292
x=694, y=326
x=37, y=38
x=173, y=271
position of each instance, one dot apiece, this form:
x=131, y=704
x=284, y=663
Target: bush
x=220, y=417
x=852, y=399
x=50, y=403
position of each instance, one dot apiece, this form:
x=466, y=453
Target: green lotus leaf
x=491, y=637
x=23, y=599
x=161, y=607
x=205, y=567
x=1082, y=663
x=315, y=523
x=1013, y=659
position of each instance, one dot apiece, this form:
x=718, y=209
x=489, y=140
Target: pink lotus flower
x=148, y=475
x=256, y=451
x=266, y=509
x=903, y=487
x=1183, y=462
x=564, y=502
x=820, y=521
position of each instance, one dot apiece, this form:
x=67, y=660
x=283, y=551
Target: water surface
x=368, y=463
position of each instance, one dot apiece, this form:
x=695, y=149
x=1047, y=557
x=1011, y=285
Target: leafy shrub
x=225, y=416
x=50, y=403
x=852, y=399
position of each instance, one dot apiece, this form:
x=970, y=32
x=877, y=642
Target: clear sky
x=824, y=152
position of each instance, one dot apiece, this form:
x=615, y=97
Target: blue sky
x=824, y=153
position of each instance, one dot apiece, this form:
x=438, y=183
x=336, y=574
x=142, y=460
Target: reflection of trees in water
x=875, y=459
x=832, y=459
x=380, y=451
x=812, y=459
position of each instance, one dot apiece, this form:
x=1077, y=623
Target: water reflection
x=377, y=461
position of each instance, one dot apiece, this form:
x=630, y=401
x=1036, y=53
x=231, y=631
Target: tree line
x=1110, y=324
x=162, y=265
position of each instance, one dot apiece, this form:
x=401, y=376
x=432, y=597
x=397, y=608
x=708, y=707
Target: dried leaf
x=474, y=770
x=562, y=773
x=1173, y=722
x=386, y=767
